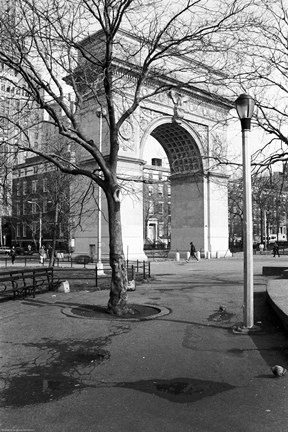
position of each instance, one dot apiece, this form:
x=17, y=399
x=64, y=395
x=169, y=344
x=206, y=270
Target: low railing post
x=96, y=275
x=149, y=269
x=133, y=273
x=144, y=270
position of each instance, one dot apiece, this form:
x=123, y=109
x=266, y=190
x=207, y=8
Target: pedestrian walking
x=276, y=250
x=192, y=252
x=13, y=254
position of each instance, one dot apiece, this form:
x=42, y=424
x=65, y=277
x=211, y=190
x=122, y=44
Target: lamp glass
x=245, y=106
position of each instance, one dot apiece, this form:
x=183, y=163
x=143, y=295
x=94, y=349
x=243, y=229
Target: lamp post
x=245, y=107
x=40, y=222
x=101, y=112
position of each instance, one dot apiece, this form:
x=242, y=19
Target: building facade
x=40, y=206
x=269, y=205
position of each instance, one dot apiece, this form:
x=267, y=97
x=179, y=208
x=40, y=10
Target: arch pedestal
x=199, y=213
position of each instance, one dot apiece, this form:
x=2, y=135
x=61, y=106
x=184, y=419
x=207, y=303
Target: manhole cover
x=141, y=312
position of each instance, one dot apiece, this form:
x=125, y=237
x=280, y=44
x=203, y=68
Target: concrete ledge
x=277, y=292
x=273, y=270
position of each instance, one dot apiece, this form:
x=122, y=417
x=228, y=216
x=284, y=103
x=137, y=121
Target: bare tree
x=158, y=45
x=261, y=70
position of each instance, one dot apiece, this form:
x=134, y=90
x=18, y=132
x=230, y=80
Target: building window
x=24, y=226
x=24, y=188
x=45, y=185
x=18, y=230
x=34, y=227
x=34, y=186
x=24, y=208
x=45, y=205
x=157, y=162
x=160, y=208
x=34, y=208
x=18, y=212
x=18, y=188
x=169, y=190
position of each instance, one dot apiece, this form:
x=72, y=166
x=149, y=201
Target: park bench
x=23, y=282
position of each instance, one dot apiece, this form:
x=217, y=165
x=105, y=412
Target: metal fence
x=136, y=270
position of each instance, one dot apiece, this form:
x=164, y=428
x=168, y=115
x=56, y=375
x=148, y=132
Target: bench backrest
x=26, y=273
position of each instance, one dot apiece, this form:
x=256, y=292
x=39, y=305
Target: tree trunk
x=118, y=292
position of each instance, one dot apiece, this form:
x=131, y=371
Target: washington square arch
x=190, y=126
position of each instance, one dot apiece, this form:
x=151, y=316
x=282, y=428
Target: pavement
x=182, y=370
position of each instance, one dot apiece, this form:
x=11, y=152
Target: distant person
x=276, y=250
x=261, y=248
x=13, y=254
x=51, y=256
x=192, y=252
x=41, y=255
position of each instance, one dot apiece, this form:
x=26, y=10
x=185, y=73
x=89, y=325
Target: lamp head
x=245, y=107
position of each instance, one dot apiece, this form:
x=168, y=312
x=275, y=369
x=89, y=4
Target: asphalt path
x=180, y=372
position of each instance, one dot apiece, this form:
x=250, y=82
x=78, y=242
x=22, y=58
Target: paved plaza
x=182, y=371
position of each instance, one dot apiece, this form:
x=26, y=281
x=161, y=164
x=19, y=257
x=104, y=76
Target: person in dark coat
x=192, y=252
x=13, y=254
x=276, y=250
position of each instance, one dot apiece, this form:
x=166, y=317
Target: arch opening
x=182, y=151
x=174, y=185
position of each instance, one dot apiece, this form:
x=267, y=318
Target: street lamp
x=40, y=222
x=245, y=107
x=101, y=112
